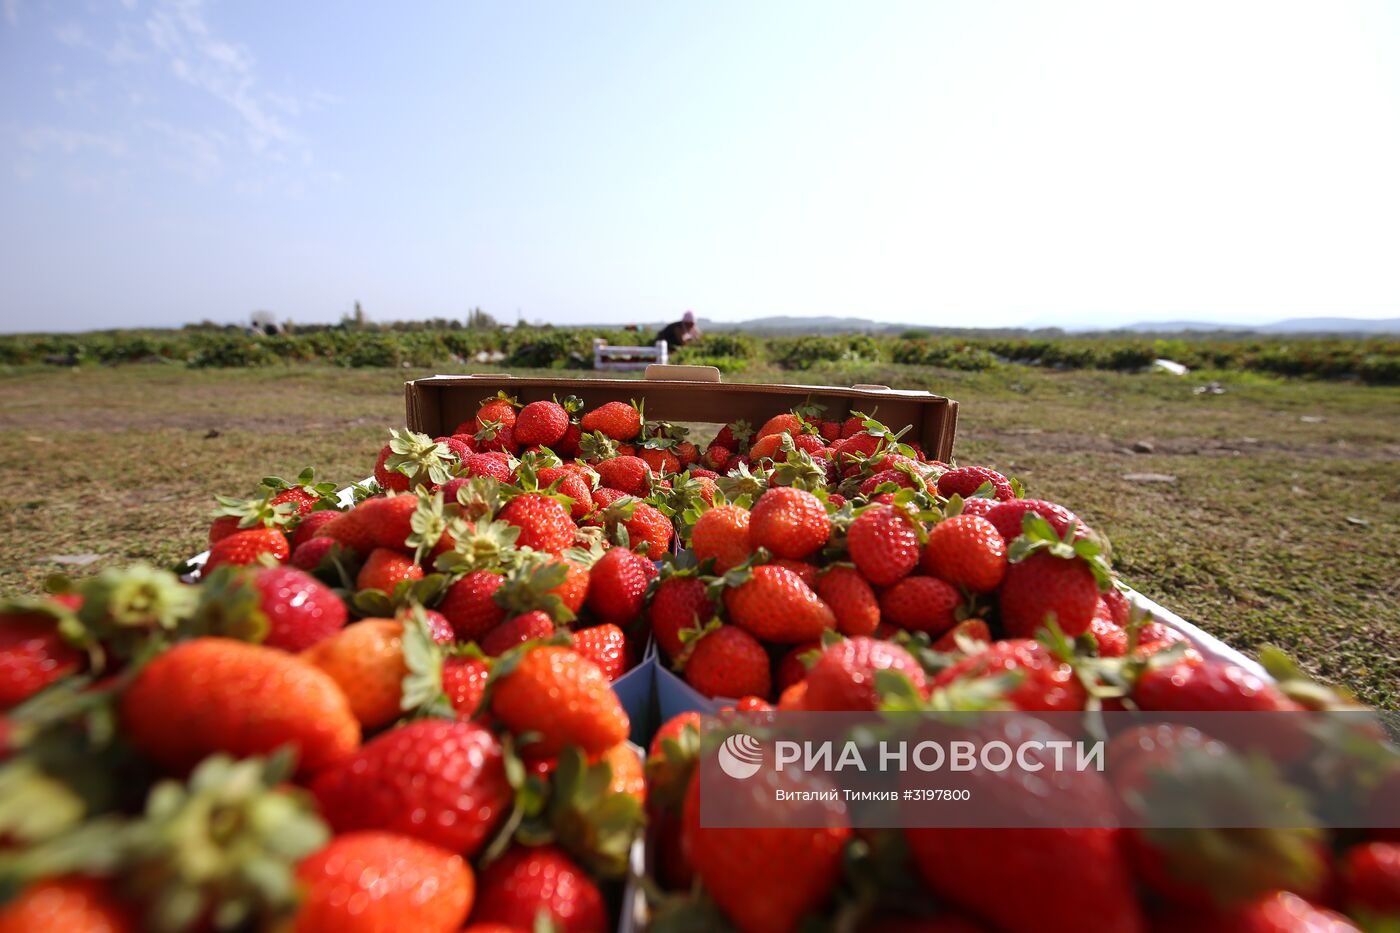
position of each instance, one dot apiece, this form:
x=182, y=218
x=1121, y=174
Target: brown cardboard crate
x=435, y=405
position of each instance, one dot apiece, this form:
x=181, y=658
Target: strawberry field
x=408, y=704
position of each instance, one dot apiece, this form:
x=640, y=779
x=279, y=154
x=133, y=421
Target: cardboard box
x=436, y=405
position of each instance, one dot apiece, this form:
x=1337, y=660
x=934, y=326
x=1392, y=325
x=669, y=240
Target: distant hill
x=1297, y=325
x=783, y=324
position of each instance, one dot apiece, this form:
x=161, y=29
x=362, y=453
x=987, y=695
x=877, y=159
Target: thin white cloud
x=49, y=139
x=11, y=8
x=196, y=153
x=223, y=69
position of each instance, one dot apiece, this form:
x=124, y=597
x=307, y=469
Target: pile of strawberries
x=391, y=709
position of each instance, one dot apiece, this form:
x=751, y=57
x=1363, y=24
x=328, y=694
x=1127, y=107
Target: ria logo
x=740, y=756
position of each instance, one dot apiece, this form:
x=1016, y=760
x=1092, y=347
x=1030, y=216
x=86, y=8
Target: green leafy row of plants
x=1374, y=360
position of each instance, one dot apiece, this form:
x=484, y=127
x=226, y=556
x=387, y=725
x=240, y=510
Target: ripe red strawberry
x=567, y=446
x=734, y=436
x=765, y=880
x=1370, y=875
x=789, y=522
x=728, y=662
x=32, y=656
x=391, y=480
x=605, y=496
x=631, y=475
x=385, y=569
x=366, y=661
x=965, y=481
x=1112, y=640
x=806, y=572
x=300, y=609
x=618, y=420
x=1047, y=683
x=491, y=463
x=464, y=683
x=71, y=904
x=1009, y=516
x=661, y=462
x=983, y=508
x=605, y=646
x=617, y=585
x=438, y=780
x=650, y=527
x=722, y=534
x=883, y=544
x=541, y=423
x=966, y=551
x=1117, y=605
x=680, y=602
x=563, y=699
x=717, y=457
x=373, y=882
x=310, y=526
x=544, y=524
x=498, y=410
x=528, y=626
x=571, y=484
x=530, y=882
x=793, y=666
x=381, y=521
x=496, y=437
x=1213, y=685
x=1044, y=585
x=876, y=480
x=217, y=695
x=921, y=604
x=843, y=677
x=687, y=453
x=775, y=605
x=968, y=630
x=245, y=547
x=469, y=604
x=1279, y=912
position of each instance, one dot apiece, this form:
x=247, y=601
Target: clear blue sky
x=990, y=163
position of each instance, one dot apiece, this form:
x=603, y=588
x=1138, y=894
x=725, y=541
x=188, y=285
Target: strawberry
x=495, y=437
x=660, y=461
x=372, y=882
x=687, y=454
x=883, y=544
x=544, y=524
x=391, y=480
x=464, y=684
x=562, y=698
x=440, y=781
x=1370, y=875
x=722, y=535
x=789, y=522
x=1045, y=586
x=843, y=676
x=380, y=521
x=604, y=645
x=1009, y=516
x=735, y=436
x=983, y=508
x=1276, y=912
x=921, y=604
x=568, y=445
x=717, y=457
x=679, y=603
x=773, y=604
x=541, y=423
x=793, y=666
x=728, y=662
x=246, y=547
x=618, y=420
x=366, y=661
x=876, y=480
x=1047, y=682
x=1214, y=685
x=70, y=904
x=617, y=585
x=966, y=551
x=850, y=598
x=513, y=632
x=533, y=882
x=965, y=481
x=493, y=464
x=385, y=569
x=806, y=572
x=300, y=609
x=32, y=655
x=571, y=484
x=469, y=606
x=459, y=447
x=768, y=446
x=766, y=880
x=631, y=475
x=214, y=694
x=1112, y=640
x=310, y=526
x=969, y=630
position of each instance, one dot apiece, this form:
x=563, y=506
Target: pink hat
x=689, y=317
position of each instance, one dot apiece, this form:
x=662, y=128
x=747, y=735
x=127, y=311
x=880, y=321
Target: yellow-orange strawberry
x=563, y=699
x=786, y=423
x=385, y=569
x=366, y=660
x=67, y=905
x=218, y=695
